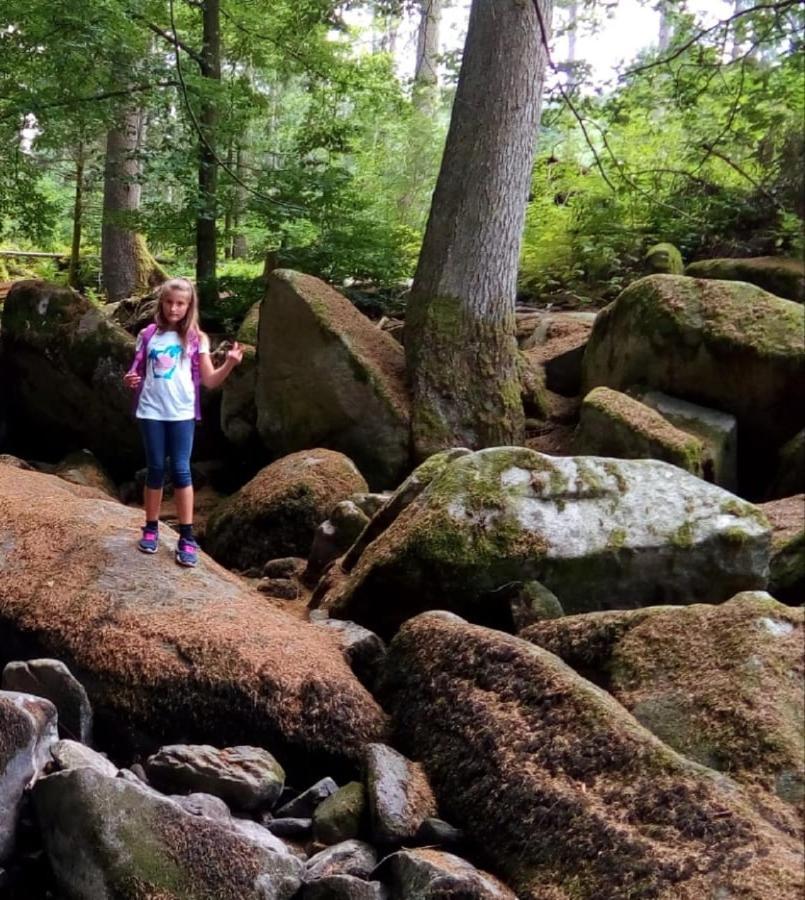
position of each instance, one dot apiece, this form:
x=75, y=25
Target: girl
x=172, y=357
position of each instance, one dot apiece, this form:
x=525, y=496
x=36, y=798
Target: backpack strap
x=139, y=362
x=195, y=368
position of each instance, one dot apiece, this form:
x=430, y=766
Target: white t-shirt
x=168, y=392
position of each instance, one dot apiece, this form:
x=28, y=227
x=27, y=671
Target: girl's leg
x=153, y=433
x=180, y=446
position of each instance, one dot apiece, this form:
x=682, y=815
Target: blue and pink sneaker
x=187, y=552
x=149, y=542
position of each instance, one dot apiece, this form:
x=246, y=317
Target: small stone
x=288, y=827
x=370, y=503
x=283, y=588
x=437, y=831
x=205, y=805
x=285, y=567
x=340, y=816
x=72, y=755
x=352, y=857
x=343, y=887
x=245, y=777
x=363, y=649
x=399, y=795
x=534, y=603
x=304, y=805
x=430, y=874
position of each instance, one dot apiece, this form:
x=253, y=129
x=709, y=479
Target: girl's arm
x=212, y=377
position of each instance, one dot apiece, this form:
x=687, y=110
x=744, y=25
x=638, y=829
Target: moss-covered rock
x=775, y=274
x=563, y=792
x=663, y=259
x=328, y=377
x=720, y=684
x=342, y=815
x=276, y=513
x=723, y=344
x=557, y=344
x=596, y=532
x=177, y=657
x=110, y=837
x=248, y=331
x=66, y=360
x=787, y=567
x=614, y=424
x=533, y=392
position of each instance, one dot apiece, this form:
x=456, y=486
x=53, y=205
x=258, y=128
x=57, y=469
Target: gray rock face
x=400, y=798
x=27, y=731
x=244, y=777
x=305, y=804
x=72, y=755
x=238, y=409
x=431, y=874
x=533, y=602
x=50, y=678
x=355, y=858
x=598, y=533
x=327, y=377
x=562, y=788
x=199, y=804
x=288, y=827
x=717, y=430
x=106, y=836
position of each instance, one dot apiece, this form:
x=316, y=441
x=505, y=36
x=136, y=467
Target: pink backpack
x=138, y=365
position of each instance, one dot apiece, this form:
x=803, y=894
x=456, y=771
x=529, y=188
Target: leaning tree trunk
x=127, y=268
x=664, y=38
x=460, y=330
x=206, y=236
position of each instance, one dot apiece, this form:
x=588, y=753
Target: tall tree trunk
x=664, y=38
x=127, y=268
x=427, y=51
x=572, y=28
x=460, y=332
x=240, y=246
x=206, y=237
x=75, y=248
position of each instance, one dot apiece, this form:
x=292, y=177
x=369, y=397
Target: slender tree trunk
x=230, y=203
x=664, y=38
x=206, y=237
x=427, y=51
x=75, y=249
x=572, y=27
x=127, y=268
x=460, y=330
x=240, y=246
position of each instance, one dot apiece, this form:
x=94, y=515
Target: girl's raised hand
x=235, y=353
x=132, y=380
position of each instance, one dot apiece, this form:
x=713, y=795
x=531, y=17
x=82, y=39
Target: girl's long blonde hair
x=188, y=326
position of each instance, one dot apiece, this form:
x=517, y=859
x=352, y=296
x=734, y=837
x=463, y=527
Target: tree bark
x=460, y=330
x=206, y=235
x=427, y=50
x=127, y=268
x=75, y=249
x=240, y=246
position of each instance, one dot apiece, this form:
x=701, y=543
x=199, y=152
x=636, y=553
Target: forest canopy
x=286, y=129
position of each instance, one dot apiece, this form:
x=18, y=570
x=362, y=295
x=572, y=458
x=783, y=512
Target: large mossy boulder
x=615, y=424
x=598, y=533
x=238, y=409
x=787, y=565
x=168, y=655
x=723, y=344
x=328, y=377
x=720, y=684
x=111, y=837
x=775, y=274
x=276, y=513
x=563, y=792
x=66, y=361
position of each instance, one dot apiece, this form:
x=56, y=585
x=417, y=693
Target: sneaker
x=187, y=552
x=149, y=542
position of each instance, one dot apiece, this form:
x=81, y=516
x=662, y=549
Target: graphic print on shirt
x=163, y=362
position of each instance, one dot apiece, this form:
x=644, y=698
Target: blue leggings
x=173, y=439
